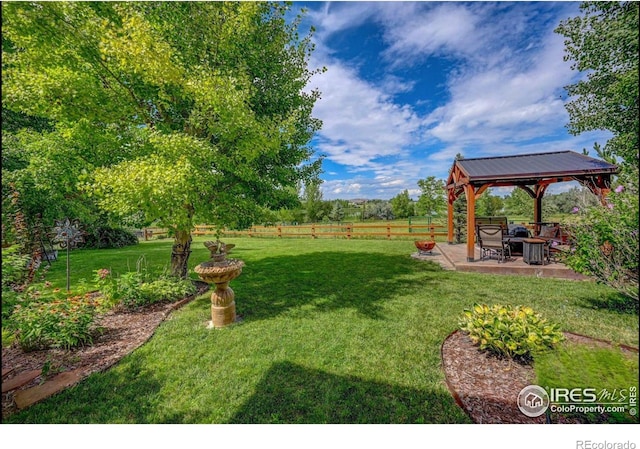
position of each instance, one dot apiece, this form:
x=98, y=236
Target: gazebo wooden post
x=537, y=205
x=469, y=192
x=537, y=209
x=450, y=216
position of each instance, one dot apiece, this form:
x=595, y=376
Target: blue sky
x=411, y=84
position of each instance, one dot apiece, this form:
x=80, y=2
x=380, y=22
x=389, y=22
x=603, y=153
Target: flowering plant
x=605, y=241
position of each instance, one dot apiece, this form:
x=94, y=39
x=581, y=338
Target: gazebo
x=533, y=173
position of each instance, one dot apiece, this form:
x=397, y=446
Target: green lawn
x=333, y=331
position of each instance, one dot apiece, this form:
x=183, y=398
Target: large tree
x=402, y=205
x=205, y=102
x=312, y=202
x=603, y=44
x=433, y=196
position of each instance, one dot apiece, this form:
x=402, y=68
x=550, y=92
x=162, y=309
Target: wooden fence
x=335, y=230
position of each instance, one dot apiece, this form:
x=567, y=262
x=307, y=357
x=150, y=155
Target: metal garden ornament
x=67, y=234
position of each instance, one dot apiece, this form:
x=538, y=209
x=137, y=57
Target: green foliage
x=518, y=203
x=60, y=323
x=380, y=210
x=563, y=203
x=605, y=241
x=107, y=237
x=44, y=168
x=312, y=201
x=337, y=213
x=603, y=44
x=10, y=299
x=179, y=112
x=138, y=288
x=515, y=332
x=402, y=205
x=14, y=268
x=489, y=205
x=460, y=218
x=8, y=337
x=433, y=199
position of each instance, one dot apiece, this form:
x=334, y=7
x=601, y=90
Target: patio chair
x=491, y=242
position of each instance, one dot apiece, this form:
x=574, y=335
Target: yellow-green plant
x=515, y=332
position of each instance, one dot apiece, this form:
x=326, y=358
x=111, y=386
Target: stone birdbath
x=220, y=271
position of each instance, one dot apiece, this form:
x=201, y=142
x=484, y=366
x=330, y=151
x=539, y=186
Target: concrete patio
x=454, y=257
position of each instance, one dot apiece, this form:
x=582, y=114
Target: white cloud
x=444, y=29
x=517, y=100
x=336, y=17
x=361, y=123
x=504, y=93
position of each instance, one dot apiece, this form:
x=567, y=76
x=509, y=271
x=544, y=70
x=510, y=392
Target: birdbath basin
x=220, y=271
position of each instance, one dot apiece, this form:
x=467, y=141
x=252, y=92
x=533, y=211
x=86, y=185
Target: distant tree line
x=431, y=205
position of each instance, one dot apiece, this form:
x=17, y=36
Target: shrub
x=106, y=237
x=14, y=268
x=60, y=323
x=10, y=299
x=135, y=289
x=515, y=332
x=14, y=277
x=605, y=241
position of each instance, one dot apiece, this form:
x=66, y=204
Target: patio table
x=533, y=251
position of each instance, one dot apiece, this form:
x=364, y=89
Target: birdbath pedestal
x=220, y=271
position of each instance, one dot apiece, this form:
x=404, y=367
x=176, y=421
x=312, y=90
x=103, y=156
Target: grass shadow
x=115, y=396
x=327, y=281
x=613, y=301
x=289, y=393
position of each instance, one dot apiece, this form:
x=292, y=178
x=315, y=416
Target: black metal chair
x=492, y=242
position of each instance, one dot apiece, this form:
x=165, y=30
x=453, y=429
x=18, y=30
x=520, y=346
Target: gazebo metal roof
x=533, y=173
x=533, y=166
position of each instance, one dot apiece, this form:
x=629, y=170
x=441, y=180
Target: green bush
x=106, y=237
x=14, y=275
x=10, y=299
x=136, y=289
x=605, y=241
x=515, y=332
x=60, y=323
x=14, y=268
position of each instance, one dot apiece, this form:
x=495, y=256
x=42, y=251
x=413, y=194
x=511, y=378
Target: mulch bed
x=122, y=332
x=487, y=386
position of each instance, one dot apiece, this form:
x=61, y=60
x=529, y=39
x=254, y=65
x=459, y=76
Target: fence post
x=349, y=232
x=280, y=231
x=313, y=230
x=433, y=236
x=388, y=231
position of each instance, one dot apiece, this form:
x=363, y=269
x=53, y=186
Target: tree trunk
x=180, y=253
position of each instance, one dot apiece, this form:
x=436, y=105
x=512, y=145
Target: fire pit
x=425, y=246
x=220, y=271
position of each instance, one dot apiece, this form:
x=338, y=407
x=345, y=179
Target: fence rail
x=335, y=230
